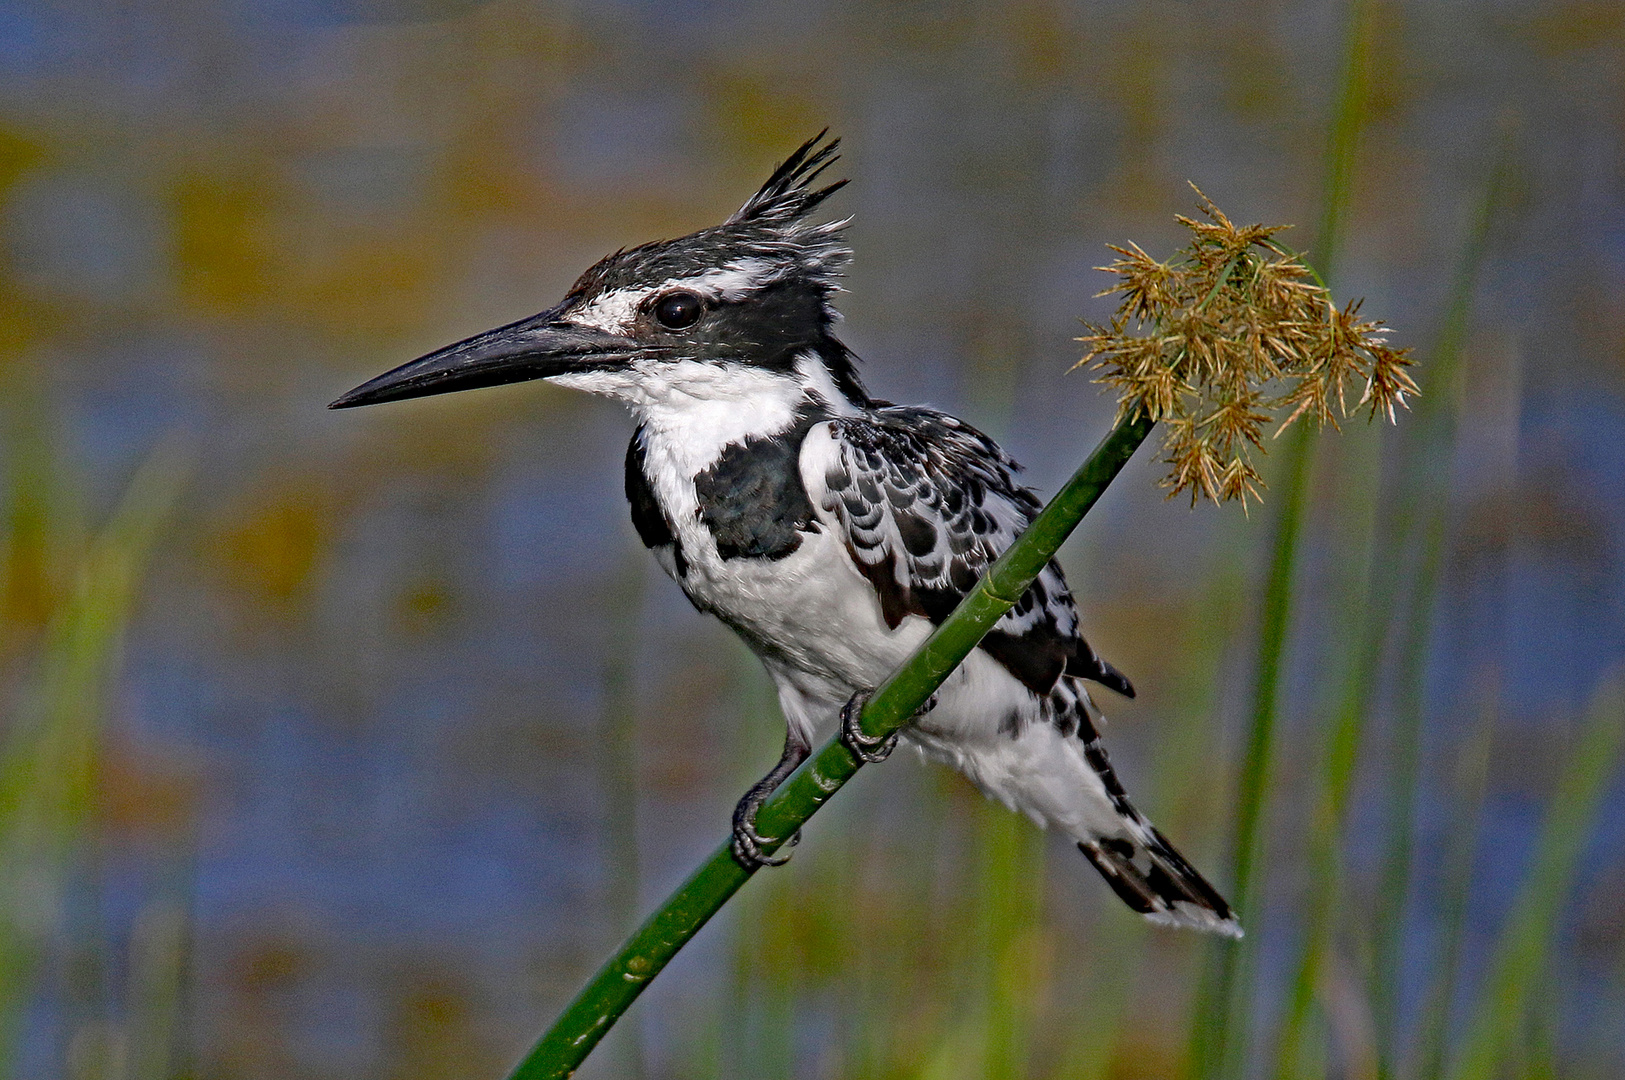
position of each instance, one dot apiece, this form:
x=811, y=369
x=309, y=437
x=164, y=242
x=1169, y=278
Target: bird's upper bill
x=754, y=289
x=539, y=347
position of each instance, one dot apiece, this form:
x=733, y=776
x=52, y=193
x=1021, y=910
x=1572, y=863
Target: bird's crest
x=777, y=214
x=770, y=236
x=788, y=194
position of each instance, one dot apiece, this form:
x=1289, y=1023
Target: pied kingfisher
x=829, y=529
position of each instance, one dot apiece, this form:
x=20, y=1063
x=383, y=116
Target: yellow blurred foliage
x=18, y=153
x=20, y=318
x=224, y=241
x=271, y=548
x=373, y=282
x=757, y=114
x=1580, y=24
x=1044, y=47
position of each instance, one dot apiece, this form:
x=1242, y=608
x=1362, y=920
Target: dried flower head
x=1233, y=330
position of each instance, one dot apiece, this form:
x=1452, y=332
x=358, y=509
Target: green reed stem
x=624, y=976
x=1422, y=485
x=1466, y=830
x=1221, y=1009
x=618, y=772
x=50, y=750
x=1522, y=952
x=1223, y=1000
x=1427, y=440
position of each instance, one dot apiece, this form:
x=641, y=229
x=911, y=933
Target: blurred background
x=348, y=744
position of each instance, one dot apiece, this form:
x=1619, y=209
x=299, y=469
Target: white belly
x=810, y=615
x=816, y=623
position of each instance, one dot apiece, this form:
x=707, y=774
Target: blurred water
x=367, y=682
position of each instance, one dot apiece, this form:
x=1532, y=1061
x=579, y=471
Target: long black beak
x=533, y=348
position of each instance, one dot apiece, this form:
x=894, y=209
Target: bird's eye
x=679, y=310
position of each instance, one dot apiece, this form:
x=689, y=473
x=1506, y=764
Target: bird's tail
x=1050, y=765
x=1139, y=863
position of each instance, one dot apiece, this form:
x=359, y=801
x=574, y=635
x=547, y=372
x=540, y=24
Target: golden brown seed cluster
x=1232, y=330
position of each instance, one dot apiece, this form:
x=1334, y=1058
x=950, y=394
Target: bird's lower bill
x=540, y=347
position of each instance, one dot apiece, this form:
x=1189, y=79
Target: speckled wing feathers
x=926, y=503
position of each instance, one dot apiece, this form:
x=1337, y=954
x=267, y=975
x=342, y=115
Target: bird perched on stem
x=829, y=529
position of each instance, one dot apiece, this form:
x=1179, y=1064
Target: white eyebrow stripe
x=734, y=281
x=615, y=311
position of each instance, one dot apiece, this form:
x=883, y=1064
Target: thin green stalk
x=619, y=982
x=1223, y=1000
x=1466, y=829
x=1388, y=925
x=1524, y=947
x=1007, y=886
x=1541, y=1059
x=1222, y=1008
x=754, y=1029
x=1422, y=485
x=157, y=977
x=50, y=752
x=1353, y=94
x=1011, y=901
x=1429, y=436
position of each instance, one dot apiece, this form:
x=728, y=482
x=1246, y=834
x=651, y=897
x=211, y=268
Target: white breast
x=810, y=613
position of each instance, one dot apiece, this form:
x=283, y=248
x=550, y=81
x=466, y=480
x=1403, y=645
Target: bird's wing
x=924, y=502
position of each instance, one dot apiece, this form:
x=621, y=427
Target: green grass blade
x=1427, y=1061
x=1425, y=445
x=159, y=953
x=1348, y=121
x=625, y=975
x=48, y=760
x=1011, y=886
x=1353, y=100
x=1426, y=440
x=1222, y=1009
x=1522, y=952
x=618, y=773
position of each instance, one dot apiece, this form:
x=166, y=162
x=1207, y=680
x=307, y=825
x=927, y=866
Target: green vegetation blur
x=347, y=744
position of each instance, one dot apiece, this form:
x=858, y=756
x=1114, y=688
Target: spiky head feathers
x=766, y=241
x=788, y=194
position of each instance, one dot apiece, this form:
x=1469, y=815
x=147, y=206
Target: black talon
x=747, y=842
x=866, y=748
x=746, y=848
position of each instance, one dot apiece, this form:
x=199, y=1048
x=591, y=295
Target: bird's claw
x=867, y=748
x=747, y=843
x=746, y=846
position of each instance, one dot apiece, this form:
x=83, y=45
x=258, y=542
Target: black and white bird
x=830, y=530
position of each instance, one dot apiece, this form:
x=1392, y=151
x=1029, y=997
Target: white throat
x=690, y=409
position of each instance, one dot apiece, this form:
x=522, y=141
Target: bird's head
x=745, y=300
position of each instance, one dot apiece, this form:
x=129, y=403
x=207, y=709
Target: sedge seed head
x=1231, y=332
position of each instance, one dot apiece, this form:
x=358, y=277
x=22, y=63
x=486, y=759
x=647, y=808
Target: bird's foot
x=868, y=748
x=747, y=843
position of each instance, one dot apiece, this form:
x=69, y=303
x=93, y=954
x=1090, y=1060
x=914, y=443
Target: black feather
x=927, y=503
x=788, y=193
x=752, y=499
x=647, y=516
